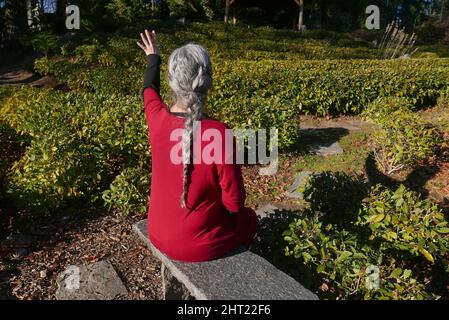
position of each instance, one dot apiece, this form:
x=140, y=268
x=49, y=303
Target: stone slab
x=300, y=179
x=266, y=211
x=326, y=149
x=239, y=276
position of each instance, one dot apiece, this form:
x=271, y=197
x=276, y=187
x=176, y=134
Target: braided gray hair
x=189, y=77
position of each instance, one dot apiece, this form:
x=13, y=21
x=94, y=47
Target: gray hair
x=189, y=77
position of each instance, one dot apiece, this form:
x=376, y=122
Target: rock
x=266, y=211
x=240, y=275
x=18, y=240
x=269, y=170
x=18, y=243
x=326, y=150
x=98, y=281
x=43, y=274
x=300, y=179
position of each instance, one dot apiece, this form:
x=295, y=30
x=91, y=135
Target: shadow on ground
x=416, y=180
x=324, y=137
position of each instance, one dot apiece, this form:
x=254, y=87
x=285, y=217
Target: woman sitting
x=196, y=210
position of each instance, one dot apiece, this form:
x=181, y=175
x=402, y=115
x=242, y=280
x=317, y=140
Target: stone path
x=300, y=179
x=16, y=76
x=321, y=136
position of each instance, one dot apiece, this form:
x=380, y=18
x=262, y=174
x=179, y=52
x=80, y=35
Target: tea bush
x=404, y=140
x=383, y=107
x=312, y=75
x=129, y=191
x=312, y=87
x=79, y=143
x=336, y=194
x=400, y=220
x=402, y=235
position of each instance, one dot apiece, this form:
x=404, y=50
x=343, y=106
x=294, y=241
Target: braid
x=195, y=113
x=190, y=77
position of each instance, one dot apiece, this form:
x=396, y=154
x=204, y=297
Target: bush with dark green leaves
x=42, y=43
x=336, y=194
x=400, y=236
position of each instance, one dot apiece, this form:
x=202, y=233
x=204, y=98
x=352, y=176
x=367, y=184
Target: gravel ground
x=81, y=240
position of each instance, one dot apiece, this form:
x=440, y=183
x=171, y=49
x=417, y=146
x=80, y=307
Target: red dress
x=205, y=229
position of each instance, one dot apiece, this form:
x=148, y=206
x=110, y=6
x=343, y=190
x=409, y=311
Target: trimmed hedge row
x=318, y=87
x=82, y=142
x=78, y=144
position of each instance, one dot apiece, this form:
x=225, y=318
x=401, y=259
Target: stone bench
x=242, y=275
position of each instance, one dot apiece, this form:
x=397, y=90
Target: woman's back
x=204, y=229
x=196, y=210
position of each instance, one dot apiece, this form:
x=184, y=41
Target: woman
x=196, y=210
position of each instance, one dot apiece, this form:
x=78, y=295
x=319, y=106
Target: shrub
x=131, y=10
x=395, y=231
x=129, y=191
x=259, y=113
x=43, y=42
x=443, y=100
x=336, y=194
x=306, y=74
x=400, y=220
x=79, y=142
x=383, y=107
x=403, y=141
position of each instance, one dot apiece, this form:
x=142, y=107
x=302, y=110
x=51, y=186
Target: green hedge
x=404, y=139
x=78, y=144
x=318, y=87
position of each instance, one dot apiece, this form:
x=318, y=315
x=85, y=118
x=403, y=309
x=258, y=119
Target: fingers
x=144, y=40
x=141, y=46
x=150, y=40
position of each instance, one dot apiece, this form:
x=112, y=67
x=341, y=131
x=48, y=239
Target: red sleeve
x=153, y=103
x=231, y=182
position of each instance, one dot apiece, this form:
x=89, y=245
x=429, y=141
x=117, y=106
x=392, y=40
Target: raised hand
x=149, y=40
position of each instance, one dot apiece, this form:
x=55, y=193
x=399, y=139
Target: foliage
x=336, y=194
x=383, y=107
x=42, y=42
x=400, y=220
x=259, y=64
x=193, y=8
x=79, y=142
x=395, y=231
x=131, y=10
x=129, y=191
x=404, y=140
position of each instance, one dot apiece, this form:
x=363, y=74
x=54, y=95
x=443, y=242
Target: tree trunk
x=300, y=3
x=15, y=19
x=226, y=17
x=301, y=15
x=60, y=15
